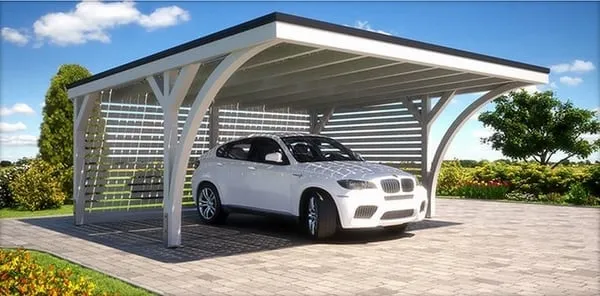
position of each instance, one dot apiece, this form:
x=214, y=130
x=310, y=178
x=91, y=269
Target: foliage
x=20, y=275
x=15, y=212
x=523, y=181
x=521, y=196
x=592, y=180
x=5, y=163
x=578, y=195
x=39, y=186
x=537, y=126
x=7, y=175
x=56, y=134
x=483, y=190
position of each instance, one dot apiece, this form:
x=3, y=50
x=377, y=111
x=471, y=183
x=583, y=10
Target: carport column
x=213, y=126
x=425, y=113
x=455, y=127
x=317, y=125
x=170, y=98
x=203, y=100
x=82, y=107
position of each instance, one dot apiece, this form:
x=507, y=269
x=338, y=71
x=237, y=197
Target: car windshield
x=312, y=149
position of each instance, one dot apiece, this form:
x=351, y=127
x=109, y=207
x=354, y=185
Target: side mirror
x=274, y=157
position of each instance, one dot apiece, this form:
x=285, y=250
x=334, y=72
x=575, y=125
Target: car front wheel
x=209, y=204
x=321, y=215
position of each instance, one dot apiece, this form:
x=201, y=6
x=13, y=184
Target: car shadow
x=241, y=234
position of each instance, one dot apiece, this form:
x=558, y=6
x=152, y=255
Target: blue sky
x=38, y=37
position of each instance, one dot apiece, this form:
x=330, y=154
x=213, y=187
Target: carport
x=139, y=126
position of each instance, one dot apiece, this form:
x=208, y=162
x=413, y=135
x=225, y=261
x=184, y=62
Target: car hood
x=361, y=170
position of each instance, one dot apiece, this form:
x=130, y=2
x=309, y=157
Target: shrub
x=579, y=195
x=20, y=275
x=592, y=180
x=7, y=175
x=553, y=197
x=38, y=187
x=452, y=176
x=483, y=190
x=521, y=196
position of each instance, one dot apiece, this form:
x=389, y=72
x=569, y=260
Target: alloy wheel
x=207, y=203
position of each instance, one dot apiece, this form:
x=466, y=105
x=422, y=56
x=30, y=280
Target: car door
x=268, y=183
x=232, y=163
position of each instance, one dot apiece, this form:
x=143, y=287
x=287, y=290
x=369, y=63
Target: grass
x=20, y=213
x=104, y=283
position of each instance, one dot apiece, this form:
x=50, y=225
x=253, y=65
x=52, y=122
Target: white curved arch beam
x=203, y=100
x=451, y=132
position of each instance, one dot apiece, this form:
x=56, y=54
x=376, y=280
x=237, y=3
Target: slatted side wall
x=381, y=133
x=124, y=147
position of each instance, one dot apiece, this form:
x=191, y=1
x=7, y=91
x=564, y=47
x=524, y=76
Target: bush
x=483, y=190
x=20, y=275
x=592, y=180
x=38, y=187
x=452, y=176
x=7, y=175
x=521, y=196
x=579, y=195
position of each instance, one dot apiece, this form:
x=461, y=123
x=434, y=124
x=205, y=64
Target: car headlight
x=356, y=184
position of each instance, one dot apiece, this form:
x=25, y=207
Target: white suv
x=315, y=179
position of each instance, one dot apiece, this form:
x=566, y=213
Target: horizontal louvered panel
x=382, y=125
x=370, y=132
x=267, y=119
x=371, y=138
x=365, y=152
x=371, y=119
x=382, y=145
x=386, y=157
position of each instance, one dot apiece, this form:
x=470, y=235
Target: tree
x=537, y=126
x=5, y=163
x=56, y=135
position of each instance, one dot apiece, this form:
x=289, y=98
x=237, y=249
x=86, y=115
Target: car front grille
x=390, y=185
x=398, y=197
x=365, y=212
x=397, y=214
x=408, y=185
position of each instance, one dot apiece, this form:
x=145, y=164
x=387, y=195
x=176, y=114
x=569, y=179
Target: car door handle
x=297, y=174
x=251, y=168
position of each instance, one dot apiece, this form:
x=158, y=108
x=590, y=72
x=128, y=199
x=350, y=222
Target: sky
x=37, y=37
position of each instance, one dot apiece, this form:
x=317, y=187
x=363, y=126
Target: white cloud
x=475, y=116
x=18, y=140
x=577, y=66
x=590, y=137
x=14, y=36
x=553, y=85
x=531, y=89
x=570, y=81
x=6, y=127
x=16, y=108
x=364, y=25
x=164, y=17
x=91, y=21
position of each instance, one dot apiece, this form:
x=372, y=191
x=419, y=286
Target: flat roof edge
x=311, y=23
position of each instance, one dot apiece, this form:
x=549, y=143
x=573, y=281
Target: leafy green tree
x=537, y=126
x=56, y=135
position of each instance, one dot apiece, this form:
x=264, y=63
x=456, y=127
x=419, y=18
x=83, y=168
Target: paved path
x=470, y=248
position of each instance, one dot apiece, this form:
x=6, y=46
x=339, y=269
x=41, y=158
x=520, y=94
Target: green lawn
x=103, y=283
x=17, y=213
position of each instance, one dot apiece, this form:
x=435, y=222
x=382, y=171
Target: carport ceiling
x=316, y=64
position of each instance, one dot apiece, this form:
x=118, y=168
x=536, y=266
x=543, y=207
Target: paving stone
x=470, y=248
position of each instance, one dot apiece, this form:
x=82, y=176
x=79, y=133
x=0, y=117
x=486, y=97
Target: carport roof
x=303, y=39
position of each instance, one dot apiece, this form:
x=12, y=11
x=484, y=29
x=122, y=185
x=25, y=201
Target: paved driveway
x=470, y=248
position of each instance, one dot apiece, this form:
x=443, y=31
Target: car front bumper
x=373, y=208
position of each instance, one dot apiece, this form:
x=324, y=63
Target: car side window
x=237, y=150
x=263, y=146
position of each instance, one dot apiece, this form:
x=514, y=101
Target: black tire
x=397, y=229
x=217, y=216
x=326, y=215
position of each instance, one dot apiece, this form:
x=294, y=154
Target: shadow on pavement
x=241, y=234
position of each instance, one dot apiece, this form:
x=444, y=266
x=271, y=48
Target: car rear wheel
x=209, y=204
x=321, y=215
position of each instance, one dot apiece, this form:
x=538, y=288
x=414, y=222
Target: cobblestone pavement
x=470, y=248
